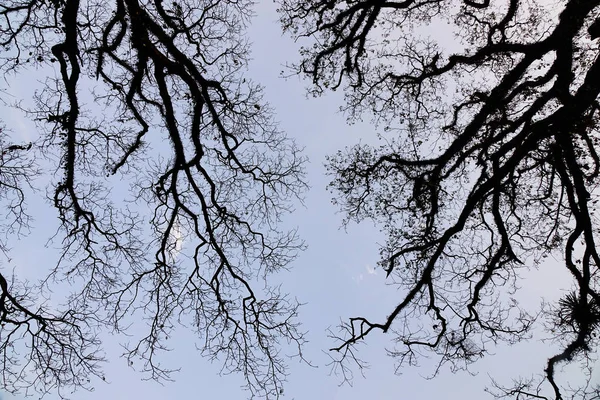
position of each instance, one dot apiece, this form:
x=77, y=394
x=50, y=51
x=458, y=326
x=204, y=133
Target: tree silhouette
x=489, y=164
x=151, y=94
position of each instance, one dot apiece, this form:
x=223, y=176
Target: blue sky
x=335, y=277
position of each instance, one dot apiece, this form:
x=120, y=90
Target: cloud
x=370, y=270
x=358, y=278
x=361, y=276
x=176, y=240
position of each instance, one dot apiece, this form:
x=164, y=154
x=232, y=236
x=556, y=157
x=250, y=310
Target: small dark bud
x=594, y=29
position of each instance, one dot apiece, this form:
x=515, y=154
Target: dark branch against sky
x=178, y=195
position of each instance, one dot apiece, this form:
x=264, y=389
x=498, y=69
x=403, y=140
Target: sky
x=335, y=276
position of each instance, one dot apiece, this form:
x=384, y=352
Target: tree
x=489, y=164
x=170, y=178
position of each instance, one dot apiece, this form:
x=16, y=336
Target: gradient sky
x=334, y=277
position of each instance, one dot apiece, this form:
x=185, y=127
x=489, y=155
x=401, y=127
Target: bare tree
x=489, y=164
x=151, y=94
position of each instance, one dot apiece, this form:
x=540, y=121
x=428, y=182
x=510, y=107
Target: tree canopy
x=489, y=164
x=168, y=176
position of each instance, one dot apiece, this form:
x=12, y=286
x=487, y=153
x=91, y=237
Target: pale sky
x=335, y=277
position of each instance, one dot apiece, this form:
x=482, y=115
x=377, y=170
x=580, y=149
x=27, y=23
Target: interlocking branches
x=493, y=168
x=17, y=169
x=41, y=349
x=195, y=139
